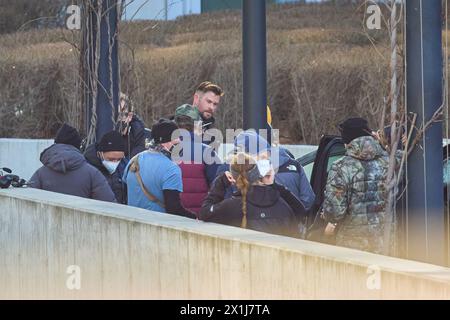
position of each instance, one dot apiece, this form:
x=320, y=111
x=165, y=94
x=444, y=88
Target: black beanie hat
x=111, y=141
x=162, y=131
x=68, y=135
x=354, y=128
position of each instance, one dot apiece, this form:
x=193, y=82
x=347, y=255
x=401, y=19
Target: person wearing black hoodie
x=66, y=170
x=259, y=204
x=108, y=156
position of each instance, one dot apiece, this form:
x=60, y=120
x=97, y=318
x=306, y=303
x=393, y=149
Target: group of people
x=248, y=191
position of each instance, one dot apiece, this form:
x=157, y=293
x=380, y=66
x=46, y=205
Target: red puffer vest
x=195, y=186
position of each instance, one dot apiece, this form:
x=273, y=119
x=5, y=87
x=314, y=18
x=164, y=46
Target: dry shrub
x=34, y=100
x=321, y=69
x=334, y=87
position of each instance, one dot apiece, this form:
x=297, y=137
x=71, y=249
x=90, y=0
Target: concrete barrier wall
x=125, y=252
x=22, y=155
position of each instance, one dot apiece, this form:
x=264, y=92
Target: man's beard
x=206, y=115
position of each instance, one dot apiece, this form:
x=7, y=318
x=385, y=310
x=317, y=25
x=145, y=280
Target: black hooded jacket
x=66, y=171
x=114, y=180
x=135, y=137
x=267, y=210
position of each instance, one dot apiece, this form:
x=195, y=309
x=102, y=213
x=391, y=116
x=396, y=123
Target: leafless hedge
x=321, y=69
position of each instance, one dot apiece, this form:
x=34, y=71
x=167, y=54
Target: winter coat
x=114, y=180
x=195, y=185
x=66, y=171
x=135, y=137
x=355, y=195
x=289, y=173
x=266, y=210
x=198, y=174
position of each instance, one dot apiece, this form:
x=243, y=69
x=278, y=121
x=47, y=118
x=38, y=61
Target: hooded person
x=355, y=194
x=65, y=170
x=199, y=162
x=108, y=156
x=291, y=174
x=258, y=204
x=288, y=171
x=154, y=181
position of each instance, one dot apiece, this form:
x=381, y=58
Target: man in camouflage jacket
x=355, y=195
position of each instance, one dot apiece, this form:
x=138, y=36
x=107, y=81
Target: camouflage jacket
x=355, y=195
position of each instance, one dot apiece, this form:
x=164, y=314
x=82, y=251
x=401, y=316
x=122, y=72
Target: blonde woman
x=260, y=204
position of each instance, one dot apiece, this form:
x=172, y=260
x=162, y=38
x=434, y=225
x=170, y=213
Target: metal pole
x=108, y=70
x=425, y=206
x=255, y=64
x=166, y=10
x=108, y=66
x=86, y=61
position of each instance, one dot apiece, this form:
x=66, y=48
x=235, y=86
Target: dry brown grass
x=321, y=69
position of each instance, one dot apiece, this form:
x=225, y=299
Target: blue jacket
x=292, y=175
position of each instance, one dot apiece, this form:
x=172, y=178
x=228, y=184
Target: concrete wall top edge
x=344, y=255
x=25, y=140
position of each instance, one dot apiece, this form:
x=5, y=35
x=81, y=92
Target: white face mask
x=111, y=166
x=264, y=167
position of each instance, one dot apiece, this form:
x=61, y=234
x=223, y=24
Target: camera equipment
x=5, y=180
x=18, y=182
x=9, y=179
x=8, y=170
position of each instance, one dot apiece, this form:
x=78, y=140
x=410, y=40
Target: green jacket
x=356, y=196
